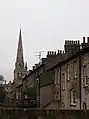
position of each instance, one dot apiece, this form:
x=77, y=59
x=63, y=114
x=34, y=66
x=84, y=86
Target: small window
x=56, y=95
x=73, y=97
x=84, y=106
x=75, y=69
x=26, y=97
x=17, y=75
x=57, y=76
x=85, y=77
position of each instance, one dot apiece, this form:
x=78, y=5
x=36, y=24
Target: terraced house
x=72, y=77
x=61, y=80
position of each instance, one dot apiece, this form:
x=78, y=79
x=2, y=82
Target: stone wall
x=85, y=80
x=43, y=114
x=46, y=95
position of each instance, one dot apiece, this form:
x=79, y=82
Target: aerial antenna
x=39, y=55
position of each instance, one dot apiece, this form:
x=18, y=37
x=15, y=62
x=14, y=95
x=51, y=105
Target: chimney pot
x=78, y=42
x=58, y=52
x=87, y=39
x=48, y=53
x=83, y=39
x=55, y=52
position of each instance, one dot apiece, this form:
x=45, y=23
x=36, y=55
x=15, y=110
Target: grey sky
x=45, y=24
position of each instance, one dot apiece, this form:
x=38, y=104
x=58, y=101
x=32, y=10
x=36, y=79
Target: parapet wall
x=70, y=46
x=54, y=53
x=71, y=42
x=43, y=114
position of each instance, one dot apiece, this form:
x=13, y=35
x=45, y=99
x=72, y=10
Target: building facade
x=72, y=76
x=60, y=81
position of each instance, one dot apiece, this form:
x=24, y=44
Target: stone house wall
x=84, y=84
x=46, y=95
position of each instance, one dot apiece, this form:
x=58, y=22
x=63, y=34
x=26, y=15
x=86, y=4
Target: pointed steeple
x=20, y=60
x=20, y=41
x=20, y=69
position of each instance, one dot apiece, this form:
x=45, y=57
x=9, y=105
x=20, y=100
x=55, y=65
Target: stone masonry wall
x=43, y=114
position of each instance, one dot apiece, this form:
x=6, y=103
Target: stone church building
x=20, y=70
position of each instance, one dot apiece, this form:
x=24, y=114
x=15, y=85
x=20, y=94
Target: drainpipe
x=80, y=78
x=60, y=86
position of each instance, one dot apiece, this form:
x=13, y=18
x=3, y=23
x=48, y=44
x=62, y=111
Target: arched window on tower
x=17, y=75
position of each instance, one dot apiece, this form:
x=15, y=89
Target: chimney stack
x=83, y=39
x=87, y=39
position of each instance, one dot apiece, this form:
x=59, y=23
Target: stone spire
x=20, y=70
x=20, y=60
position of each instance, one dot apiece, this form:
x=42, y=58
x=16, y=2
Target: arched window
x=17, y=75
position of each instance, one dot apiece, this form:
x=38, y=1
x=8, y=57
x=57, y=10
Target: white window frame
x=85, y=76
x=68, y=72
x=57, y=76
x=73, y=97
x=75, y=69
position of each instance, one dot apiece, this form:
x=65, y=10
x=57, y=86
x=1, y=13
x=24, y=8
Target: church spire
x=20, y=60
x=20, y=40
x=20, y=70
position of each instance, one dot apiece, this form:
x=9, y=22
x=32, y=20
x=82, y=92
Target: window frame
x=84, y=105
x=57, y=76
x=85, y=76
x=75, y=67
x=72, y=97
x=68, y=72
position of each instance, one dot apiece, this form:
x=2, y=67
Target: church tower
x=20, y=68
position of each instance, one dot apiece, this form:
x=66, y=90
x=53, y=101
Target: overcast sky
x=45, y=24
